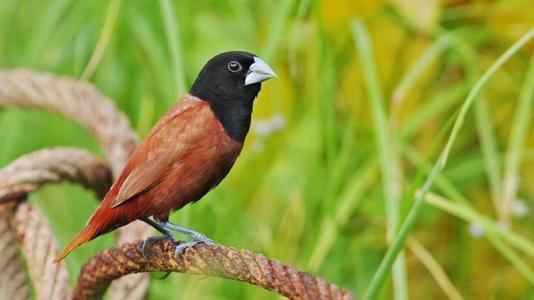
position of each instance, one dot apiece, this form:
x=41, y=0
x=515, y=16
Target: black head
x=229, y=82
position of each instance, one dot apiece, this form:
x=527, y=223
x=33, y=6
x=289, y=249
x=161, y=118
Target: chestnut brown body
x=187, y=153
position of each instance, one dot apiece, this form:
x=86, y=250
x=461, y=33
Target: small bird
x=187, y=153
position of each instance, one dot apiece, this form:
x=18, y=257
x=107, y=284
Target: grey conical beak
x=259, y=71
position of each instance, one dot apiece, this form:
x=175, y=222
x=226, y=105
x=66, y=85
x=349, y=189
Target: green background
x=341, y=163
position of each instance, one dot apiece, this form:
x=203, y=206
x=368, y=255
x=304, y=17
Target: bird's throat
x=234, y=116
x=232, y=105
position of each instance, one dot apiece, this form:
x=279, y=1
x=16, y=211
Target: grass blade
x=412, y=76
x=513, y=258
x=441, y=278
x=491, y=227
x=490, y=151
x=276, y=35
x=435, y=106
x=493, y=232
x=44, y=30
x=478, y=87
x=520, y=126
x=347, y=203
x=103, y=40
x=172, y=33
x=387, y=157
x=461, y=207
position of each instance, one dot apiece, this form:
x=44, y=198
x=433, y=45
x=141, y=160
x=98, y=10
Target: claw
x=199, y=238
x=165, y=276
x=166, y=228
x=151, y=240
x=180, y=249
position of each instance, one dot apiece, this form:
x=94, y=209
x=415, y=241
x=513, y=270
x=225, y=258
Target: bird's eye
x=234, y=66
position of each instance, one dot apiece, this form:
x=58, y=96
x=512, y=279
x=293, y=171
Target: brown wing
x=170, y=140
x=143, y=177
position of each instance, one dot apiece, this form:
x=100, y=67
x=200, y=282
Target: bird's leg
x=167, y=227
x=196, y=236
x=158, y=226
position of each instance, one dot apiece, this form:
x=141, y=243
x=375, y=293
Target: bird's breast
x=206, y=165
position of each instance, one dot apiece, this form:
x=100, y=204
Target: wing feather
x=141, y=179
x=152, y=161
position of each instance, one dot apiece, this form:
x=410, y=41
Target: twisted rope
x=133, y=286
x=213, y=260
x=54, y=165
x=13, y=282
x=24, y=221
x=84, y=104
x=50, y=279
x=78, y=101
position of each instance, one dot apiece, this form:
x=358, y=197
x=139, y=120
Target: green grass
x=386, y=151
x=368, y=109
x=396, y=247
x=517, y=137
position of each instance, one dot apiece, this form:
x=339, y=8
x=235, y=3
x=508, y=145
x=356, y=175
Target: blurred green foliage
x=332, y=164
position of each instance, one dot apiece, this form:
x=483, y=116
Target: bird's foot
x=167, y=227
x=198, y=238
x=153, y=239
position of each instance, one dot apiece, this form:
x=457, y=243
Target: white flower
x=520, y=208
x=267, y=127
x=476, y=230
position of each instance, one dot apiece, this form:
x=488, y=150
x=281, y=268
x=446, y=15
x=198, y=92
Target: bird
x=189, y=151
